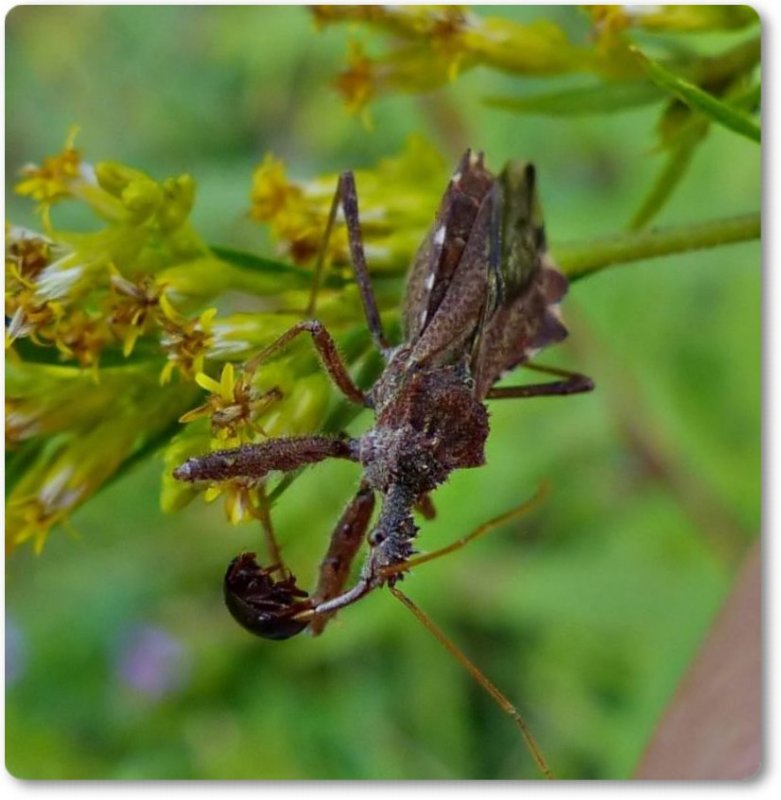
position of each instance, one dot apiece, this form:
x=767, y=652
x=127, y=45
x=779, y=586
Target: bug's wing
x=448, y=336
x=522, y=313
x=439, y=257
x=518, y=216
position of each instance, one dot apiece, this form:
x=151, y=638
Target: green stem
x=583, y=258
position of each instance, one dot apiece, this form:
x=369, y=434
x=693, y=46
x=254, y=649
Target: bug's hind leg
x=572, y=383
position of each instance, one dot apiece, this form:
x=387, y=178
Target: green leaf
x=146, y=350
x=672, y=173
x=698, y=100
x=17, y=462
x=284, y=274
x=607, y=98
x=240, y=258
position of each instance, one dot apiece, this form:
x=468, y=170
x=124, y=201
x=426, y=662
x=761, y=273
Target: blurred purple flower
x=152, y=661
x=15, y=651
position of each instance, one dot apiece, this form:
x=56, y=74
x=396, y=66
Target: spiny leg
x=347, y=195
x=255, y=461
x=481, y=530
x=346, y=539
x=326, y=348
x=390, y=542
x=500, y=699
x=573, y=383
x=369, y=581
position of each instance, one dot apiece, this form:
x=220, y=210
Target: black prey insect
x=482, y=298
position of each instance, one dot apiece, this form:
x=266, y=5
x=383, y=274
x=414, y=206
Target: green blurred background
x=121, y=661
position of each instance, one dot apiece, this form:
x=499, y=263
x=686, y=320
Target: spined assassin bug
x=481, y=298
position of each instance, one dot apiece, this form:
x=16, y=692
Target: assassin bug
x=481, y=298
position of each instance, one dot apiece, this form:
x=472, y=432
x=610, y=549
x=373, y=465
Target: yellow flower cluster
x=432, y=45
x=84, y=293
x=396, y=199
x=115, y=340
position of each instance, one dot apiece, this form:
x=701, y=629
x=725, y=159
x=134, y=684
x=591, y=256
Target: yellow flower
x=271, y=192
x=133, y=308
x=185, y=341
x=233, y=405
x=293, y=218
x=437, y=42
x=31, y=316
x=396, y=200
x=82, y=336
x=242, y=502
x=357, y=82
x=54, y=179
x=80, y=434
x=26, y=256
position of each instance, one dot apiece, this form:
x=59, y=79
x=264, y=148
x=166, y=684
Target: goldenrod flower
x=688, y=18
x=242, y=501
x=437, y=42
x=396, y=200
x=26, y=256
x=357, y=82
x=71, y=435
x=233, y=405
x=185, y=341
x=293, y=218
x=272, y=193
x=133, y=308
x=81, y=337
x=55, y=178
x=241, y=498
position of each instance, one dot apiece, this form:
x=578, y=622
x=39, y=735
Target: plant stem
x=583, y=258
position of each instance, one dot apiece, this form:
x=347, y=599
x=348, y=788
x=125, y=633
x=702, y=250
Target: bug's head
x=264, y=606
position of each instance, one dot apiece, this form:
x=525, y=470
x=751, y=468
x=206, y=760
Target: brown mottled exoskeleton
x=482, y=298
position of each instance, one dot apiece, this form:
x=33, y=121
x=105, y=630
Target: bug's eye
x=262, y=605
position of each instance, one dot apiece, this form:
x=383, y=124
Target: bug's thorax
x=428, y=423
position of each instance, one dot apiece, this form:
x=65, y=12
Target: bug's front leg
x=346, y=539
x=346, y=196
x=327, y=350
x=390, y=543
x=255, y=461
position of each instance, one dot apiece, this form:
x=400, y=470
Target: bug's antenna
x=519, y=511
x=489, y=687
x=320, y=264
